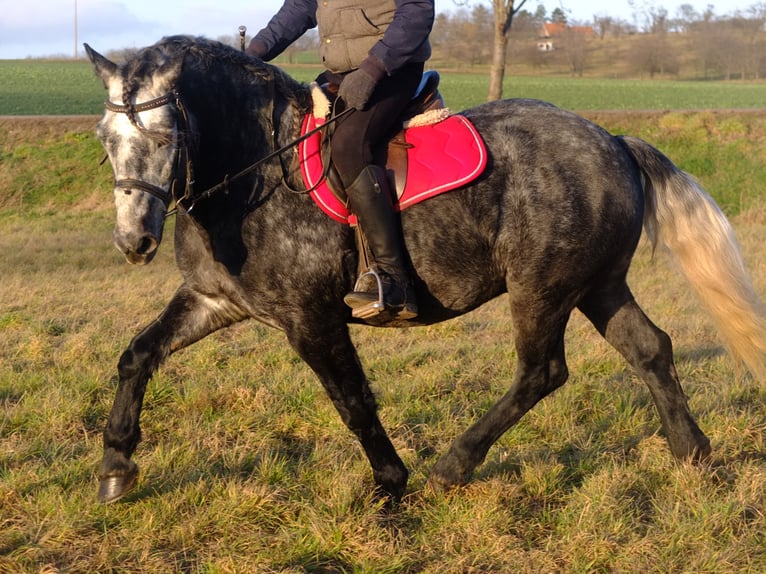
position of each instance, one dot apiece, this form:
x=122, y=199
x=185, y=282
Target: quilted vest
x=349, y=28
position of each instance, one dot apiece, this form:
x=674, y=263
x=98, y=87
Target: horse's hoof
x=448, y=474
x=437, y=485
x=113, y=488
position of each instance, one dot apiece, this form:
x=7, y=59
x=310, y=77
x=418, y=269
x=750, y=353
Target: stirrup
x=373, y=308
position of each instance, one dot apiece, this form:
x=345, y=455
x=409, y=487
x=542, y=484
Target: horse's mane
x=211, y=58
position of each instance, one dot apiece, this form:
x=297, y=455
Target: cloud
x=46, y=27
x=22, y=22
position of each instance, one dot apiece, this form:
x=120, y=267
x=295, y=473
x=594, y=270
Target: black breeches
x=358, y=138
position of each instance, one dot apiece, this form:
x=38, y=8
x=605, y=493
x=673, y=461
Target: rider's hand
x=357, y=87
x=256, y=48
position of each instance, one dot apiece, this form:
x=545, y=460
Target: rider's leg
x=356, y=140
x=370, y=199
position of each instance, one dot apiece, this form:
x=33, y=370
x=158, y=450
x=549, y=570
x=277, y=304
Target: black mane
x=221, y=86
x=217, y=61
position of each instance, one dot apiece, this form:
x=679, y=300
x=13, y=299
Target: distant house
x=550, y=30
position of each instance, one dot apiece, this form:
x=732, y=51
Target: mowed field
x=34, y=87
x=245, y=465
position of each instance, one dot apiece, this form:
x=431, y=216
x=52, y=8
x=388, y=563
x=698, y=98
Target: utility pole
x=75, y=29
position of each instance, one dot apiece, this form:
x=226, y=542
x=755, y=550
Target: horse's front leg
x=188, y=318
x=325, y=344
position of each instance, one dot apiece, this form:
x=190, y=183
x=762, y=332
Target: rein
x=223, y=185
x=167, y=197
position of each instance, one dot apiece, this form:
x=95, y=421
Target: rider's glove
x=256, y=48
x=357, y=87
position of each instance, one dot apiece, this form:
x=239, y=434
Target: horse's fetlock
x=127, y=366
x=115, y=463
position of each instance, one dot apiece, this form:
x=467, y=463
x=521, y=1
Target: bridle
x=167, y=197
x=188, y=200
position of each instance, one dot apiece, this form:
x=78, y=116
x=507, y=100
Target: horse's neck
x=235, y=134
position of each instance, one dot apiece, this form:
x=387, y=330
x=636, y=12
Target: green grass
x=39, y=87
x=722, y=150
x=245, y=465
x=52, y=164
x=30, y=87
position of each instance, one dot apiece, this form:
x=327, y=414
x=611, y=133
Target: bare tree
x=653, y=54
x=481, y=32
x=732, y=50
x=687, y=17
x=464, y=37
x=575, y=47
x=503, y=12
x=603, y=25
x=750, y=29
x=704, y=34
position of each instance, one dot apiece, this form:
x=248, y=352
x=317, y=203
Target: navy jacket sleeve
x=287, y=25
x=410, y=28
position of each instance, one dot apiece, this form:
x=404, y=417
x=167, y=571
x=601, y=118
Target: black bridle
x=167, y=197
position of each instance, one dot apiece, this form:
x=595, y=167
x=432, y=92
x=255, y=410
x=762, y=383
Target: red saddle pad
x=443, y=156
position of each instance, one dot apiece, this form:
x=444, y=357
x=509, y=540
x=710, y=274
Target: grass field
x=247, y=468
x=70, y=87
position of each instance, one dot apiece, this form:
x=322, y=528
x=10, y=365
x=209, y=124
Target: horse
x=553, y=222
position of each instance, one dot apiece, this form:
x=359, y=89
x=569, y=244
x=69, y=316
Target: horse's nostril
x=146, y=245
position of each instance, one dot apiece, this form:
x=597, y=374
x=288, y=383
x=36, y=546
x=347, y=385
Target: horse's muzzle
x=138, y=249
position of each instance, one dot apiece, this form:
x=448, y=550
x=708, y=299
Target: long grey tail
x=685, y=220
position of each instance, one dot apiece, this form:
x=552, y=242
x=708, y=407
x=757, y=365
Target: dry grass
x=247, y=468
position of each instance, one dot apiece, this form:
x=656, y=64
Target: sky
x=45, y=28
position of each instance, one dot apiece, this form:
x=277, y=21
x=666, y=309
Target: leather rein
x=167, y=197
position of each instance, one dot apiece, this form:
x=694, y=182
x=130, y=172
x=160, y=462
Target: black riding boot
x=369, y=199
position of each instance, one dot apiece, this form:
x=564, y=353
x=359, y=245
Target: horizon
x=58, y=29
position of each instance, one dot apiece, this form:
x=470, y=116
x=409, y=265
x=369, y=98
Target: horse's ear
x=103, y=67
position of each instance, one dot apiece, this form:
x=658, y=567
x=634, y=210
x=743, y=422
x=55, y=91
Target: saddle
x=426, y=100
x=433, y=152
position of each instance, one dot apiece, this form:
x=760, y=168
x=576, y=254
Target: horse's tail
x=683, y=218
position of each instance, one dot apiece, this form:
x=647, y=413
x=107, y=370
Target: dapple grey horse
x=553, y=222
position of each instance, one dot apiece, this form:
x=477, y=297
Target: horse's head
x=186, y=99
x=140, y=131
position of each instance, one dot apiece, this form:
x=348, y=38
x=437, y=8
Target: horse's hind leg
x=324, y=343
x=539, y=340
x=185, y=320
x=648, y=349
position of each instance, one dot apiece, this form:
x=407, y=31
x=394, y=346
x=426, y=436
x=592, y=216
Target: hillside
x=53, y=162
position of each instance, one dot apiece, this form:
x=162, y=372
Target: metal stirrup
x=371, y=309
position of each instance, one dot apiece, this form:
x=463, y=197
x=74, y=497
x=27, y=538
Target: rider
x=375, y=50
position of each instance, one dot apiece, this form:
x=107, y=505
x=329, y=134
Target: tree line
x=702, y=45
x=655, y=43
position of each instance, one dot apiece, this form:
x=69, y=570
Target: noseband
x=167, y=197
